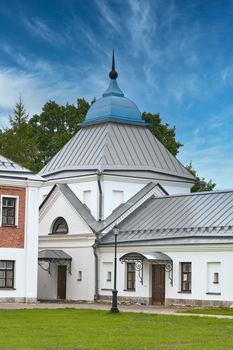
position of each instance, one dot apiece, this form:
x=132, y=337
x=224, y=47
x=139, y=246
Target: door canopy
x=153, y=258
x=58, y=257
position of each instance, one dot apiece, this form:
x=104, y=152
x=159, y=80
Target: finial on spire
x=113, y=74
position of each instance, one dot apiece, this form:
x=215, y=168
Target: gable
x=56, y=206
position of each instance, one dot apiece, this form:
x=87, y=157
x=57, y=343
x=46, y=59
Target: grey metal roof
x=47, y=255
x=151, y=257
x=10, y=169
x=113, y=147
x=198, y=216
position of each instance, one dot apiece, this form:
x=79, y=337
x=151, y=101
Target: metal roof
x=48, y=255
x=197, y=216
x=113, y=147
x=10, y=169
x=151, y=257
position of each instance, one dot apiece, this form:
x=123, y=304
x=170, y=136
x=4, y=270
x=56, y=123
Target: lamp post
x=114, y=307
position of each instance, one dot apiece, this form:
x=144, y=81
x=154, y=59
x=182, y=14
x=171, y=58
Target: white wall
x=20, y=288
x=200, y=268
x=82, y=260
x=128, y=187
x=31, y=242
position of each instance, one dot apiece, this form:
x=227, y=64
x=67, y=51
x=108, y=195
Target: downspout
x=95, y=247
x=96, y=244
x=100, y=196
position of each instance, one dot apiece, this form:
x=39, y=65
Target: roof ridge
x=196, y=194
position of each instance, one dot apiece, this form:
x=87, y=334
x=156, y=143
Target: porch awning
x=157, y=257
x=58, y=257
x=52, y=255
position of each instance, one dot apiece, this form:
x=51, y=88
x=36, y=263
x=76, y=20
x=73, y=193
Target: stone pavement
x=151, y=309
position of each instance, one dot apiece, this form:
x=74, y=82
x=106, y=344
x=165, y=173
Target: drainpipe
x=95, y=246
x=100, y=196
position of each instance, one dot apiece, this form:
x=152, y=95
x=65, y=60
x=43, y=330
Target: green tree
x=54, y=127
x=163, y=132
x=17, y=142
x=202, y=184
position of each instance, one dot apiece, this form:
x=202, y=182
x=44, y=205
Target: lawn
x=71, y=329
x=209, y=311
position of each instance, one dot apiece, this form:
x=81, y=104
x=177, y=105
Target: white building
x=173, y=247
x=19, y=191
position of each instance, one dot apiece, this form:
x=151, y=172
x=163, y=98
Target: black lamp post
x=114, y=307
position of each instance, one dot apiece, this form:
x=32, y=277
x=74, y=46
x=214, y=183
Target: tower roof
x=115, y=148
x=113, y=105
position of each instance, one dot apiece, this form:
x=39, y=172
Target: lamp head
x=116, y=230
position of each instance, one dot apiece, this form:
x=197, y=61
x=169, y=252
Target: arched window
x=60, y=226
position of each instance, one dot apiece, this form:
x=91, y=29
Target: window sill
x=57, y=233
x=129, y=290
x=108, y=289
x=210, y=293
x=2, y=288
x=185, y=292
x=13, y=226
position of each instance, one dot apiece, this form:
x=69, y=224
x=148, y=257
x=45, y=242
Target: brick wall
x=13, y=237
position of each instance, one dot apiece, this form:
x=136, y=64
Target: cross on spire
x=113, y=74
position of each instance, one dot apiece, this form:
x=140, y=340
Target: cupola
x=113, y=105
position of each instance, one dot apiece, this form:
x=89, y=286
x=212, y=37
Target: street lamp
x=114, y=307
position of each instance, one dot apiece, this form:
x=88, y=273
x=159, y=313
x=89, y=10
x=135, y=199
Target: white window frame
x=16, y=209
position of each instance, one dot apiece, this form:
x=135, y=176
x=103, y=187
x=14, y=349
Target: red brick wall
x=13, y=237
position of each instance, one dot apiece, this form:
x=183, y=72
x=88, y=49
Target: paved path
x=99, y=306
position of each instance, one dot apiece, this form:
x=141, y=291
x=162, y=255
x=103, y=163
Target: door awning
x=153, y=258
x=156, y=258
x=58, y=257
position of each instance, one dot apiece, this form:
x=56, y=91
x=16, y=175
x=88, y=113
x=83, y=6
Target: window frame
x=58, y=221
x=189, y=277
x=130, y=276
x=7, y=278
x=16, y=210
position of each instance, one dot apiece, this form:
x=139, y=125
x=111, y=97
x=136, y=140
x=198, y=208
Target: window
x=8, y=211
x=130, y=276
x=117, y=198
x=216, y=277
x=186, y=277
x=60, y=226
x=6, y=274
x=109, y=276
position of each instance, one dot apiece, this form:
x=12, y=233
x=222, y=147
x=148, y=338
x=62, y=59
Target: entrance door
x=61, y=282
x=158, y=284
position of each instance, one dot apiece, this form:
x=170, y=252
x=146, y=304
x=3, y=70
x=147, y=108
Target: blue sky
x=172, y=57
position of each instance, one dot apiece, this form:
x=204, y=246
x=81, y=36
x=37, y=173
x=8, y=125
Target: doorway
x=158, y=284
x=61, y=282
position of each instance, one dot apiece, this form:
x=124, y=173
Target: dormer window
x=60, y=226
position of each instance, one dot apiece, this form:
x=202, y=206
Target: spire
x=113, y=74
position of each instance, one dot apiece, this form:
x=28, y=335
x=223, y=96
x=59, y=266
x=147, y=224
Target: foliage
x=33, y=142
x=163, y=132
x=55, y=126
x=17, y=142
x=202, y=184
x=69, y=329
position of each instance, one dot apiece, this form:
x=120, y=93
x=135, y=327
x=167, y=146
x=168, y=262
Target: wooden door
x=61, y=282
x=158, y=284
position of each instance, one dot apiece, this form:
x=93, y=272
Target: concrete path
x=100, y=306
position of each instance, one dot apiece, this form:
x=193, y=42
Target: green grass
x=209, y=311
x=69, y=329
